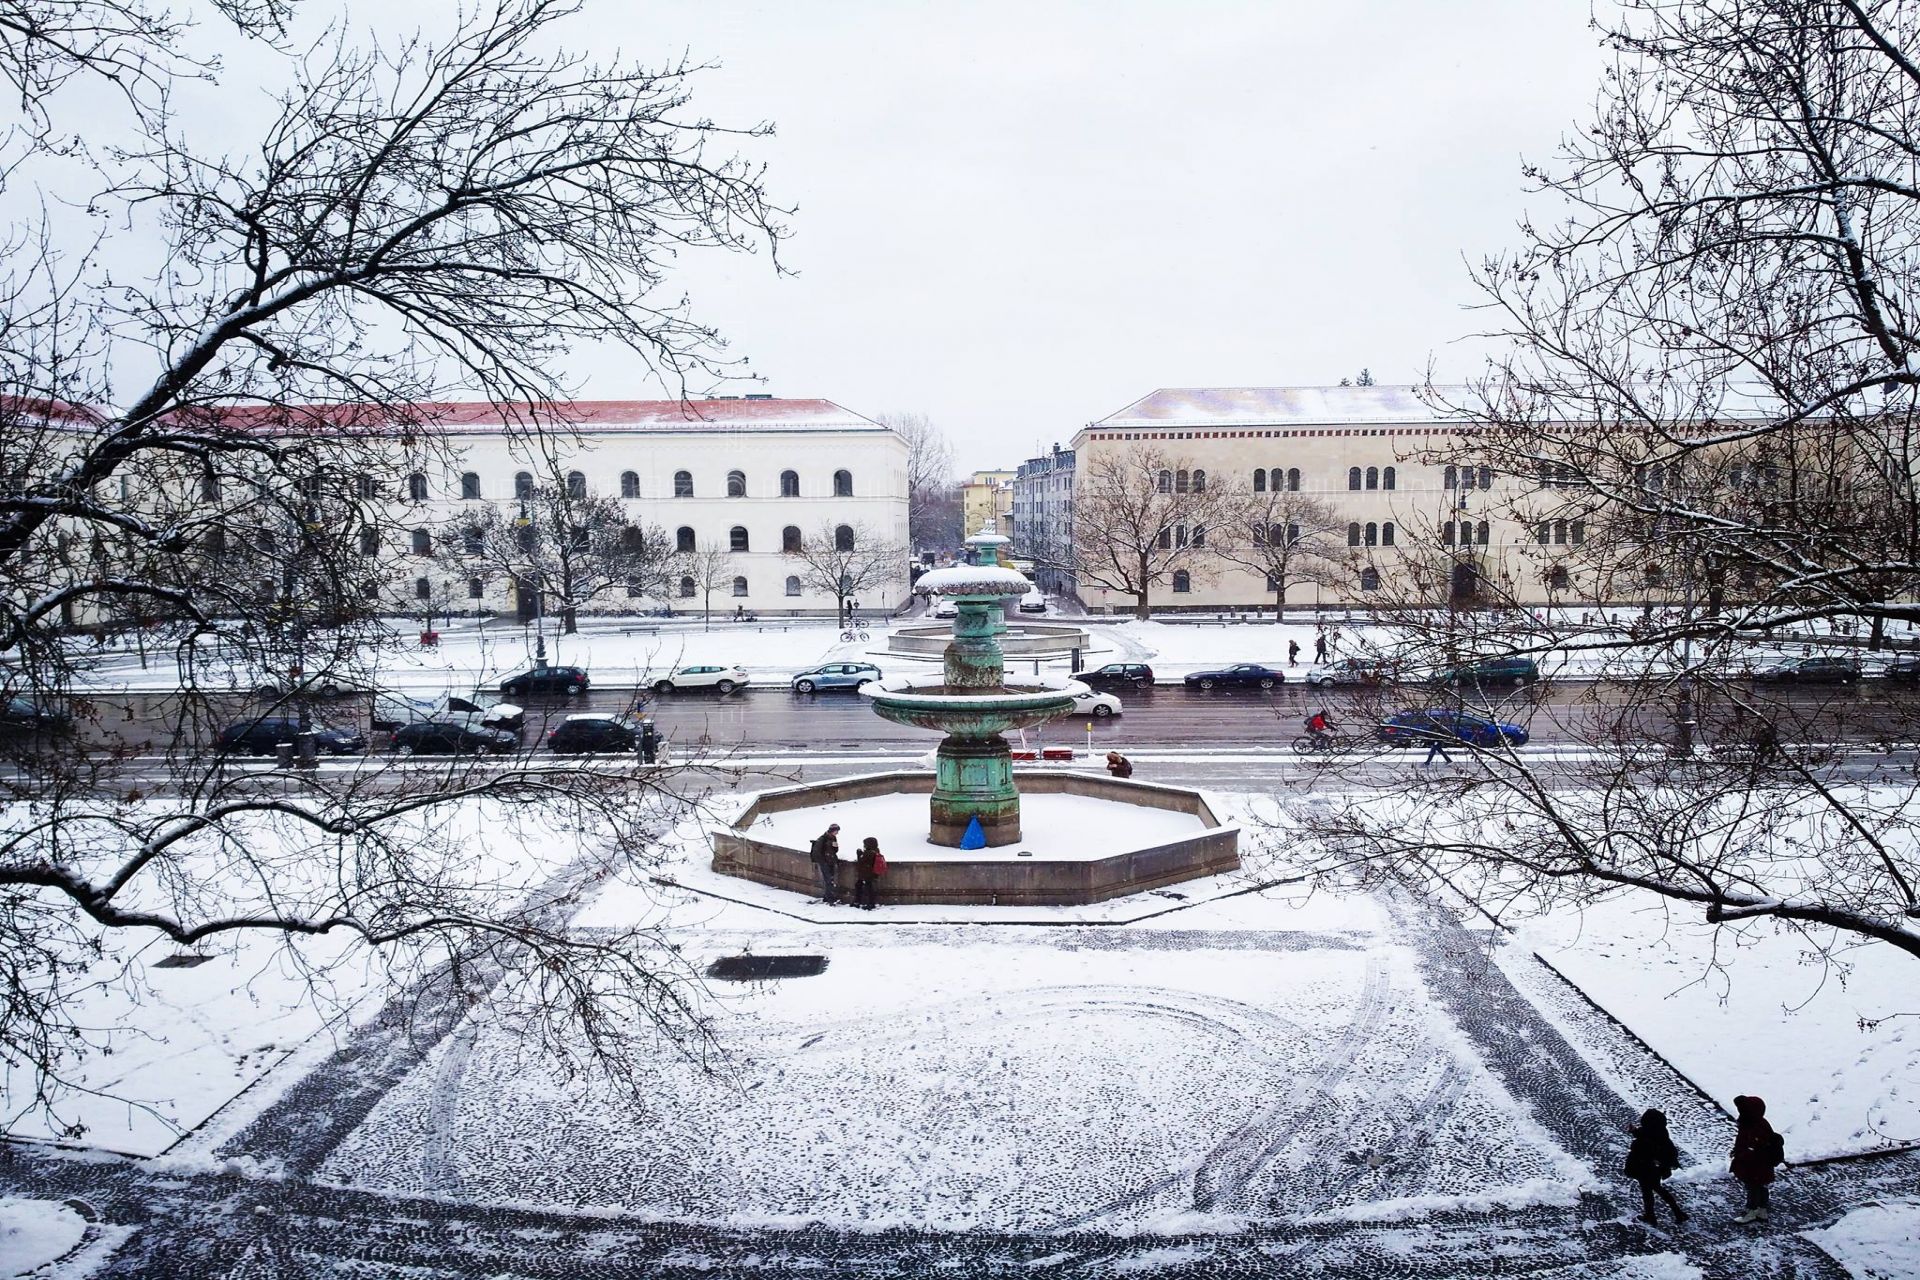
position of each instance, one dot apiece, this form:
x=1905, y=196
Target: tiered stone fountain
x=1104, y=838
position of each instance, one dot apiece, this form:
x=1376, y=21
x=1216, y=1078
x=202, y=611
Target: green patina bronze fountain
x=973, y=705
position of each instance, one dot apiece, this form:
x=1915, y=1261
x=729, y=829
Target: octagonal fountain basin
x=1085, y=838
x=928, y=703
x=1021, y=639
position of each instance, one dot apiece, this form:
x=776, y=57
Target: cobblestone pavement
x=238, y=1222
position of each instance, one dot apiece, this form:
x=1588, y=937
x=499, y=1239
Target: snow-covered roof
x=712, y=414
x=1279, y=406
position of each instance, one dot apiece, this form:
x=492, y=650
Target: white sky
x=1020, y=217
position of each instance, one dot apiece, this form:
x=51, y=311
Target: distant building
x=1043, y=518
x=986, y=499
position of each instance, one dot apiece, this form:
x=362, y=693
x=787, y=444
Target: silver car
x=835, y=675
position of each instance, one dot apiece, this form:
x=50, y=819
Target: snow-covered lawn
x=1876, y=1242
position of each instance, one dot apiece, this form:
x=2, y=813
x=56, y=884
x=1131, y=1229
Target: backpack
x=879, y=863
x=1775, y=1149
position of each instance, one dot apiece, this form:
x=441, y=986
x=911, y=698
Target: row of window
x=417, y=489
x=631, y=539
x=686, y=588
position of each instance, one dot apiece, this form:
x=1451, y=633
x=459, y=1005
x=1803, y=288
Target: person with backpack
x=1650, y=1160
x=868, y=866
x=825, y=852
x=1757, y=1152
x=1118, y=765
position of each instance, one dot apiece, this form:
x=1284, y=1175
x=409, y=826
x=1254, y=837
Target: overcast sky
x=1021, y=217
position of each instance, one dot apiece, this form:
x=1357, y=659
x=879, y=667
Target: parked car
x=546, y=681
x=1117, y=675
x=724, y=679
x=1490, y=671
x=27, y=715
x=260, y=737
x=451, y=737
x=392, y=710
x=1907, y=669
x=1420, y=728
x=1241, y=675
x=835, y=675
x=1352, y=671
x=1100, y=706
x=1811, y=671
x=1033, y=602
x=944, y=608
x=590, y=732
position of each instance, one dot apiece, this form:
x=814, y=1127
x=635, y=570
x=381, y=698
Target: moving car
x=1420, y=728
x=546, y=681
x=1241, y=675
x=944, y=608
x=1811, y=671
x=1100, y=706
x=451, y=737
x=392, y=710
x=260, y=737
x=835, y=675
x=725, y=679
x=29, y=716
x=1033, y=602
x=1352, y=671
x=1907, y=669
x=1117, y=675
x=1487, y=671
x=592, y=732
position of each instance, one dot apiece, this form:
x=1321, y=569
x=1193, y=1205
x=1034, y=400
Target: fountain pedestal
x=973, y=778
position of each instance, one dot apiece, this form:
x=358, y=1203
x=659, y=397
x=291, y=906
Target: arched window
x=1353, y=477
x=1293, y=479
x=1276, y=536
x=1353, y=535
x=1386, y=534
x=209, y=486
x=416, y=487
x=1446, y=534
x=683, y=484
x=1577, y=532
x=1373, y=534
x=1182, y=482
x=1182, y=582
x=369, y=541
x=1199, y=481
x=1558, y=578
x=1543, y=532
x=790, y=540
x=1259, y=480
x=1163, y=483
x=216, y=543
x=422, y=543
x=737, y=538
x=471, y=541
x=475, y=589
x=789, y=484
x=1480, y=533
x=843, y=484
x=469, y=485
x=686, y=588
x=1373, y=477
x=422, y=589
x=1179, y=535
x=629, y=484
x=1165, y=540
x=576, y=485
x=364, y=486
x=523, y=485
x=1369, y=579
x=1560, y=532
x=793, y=585
x=683, y=540
x=736, y=484
x=1451, y=477
x=631, y=539
x=1486, y=477
x=1386, y=478
x=1199, y=535
x=739, y=586
x=843, y=537
x=1293, y=534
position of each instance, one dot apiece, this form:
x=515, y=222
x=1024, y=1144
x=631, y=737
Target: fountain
x=1094, y=838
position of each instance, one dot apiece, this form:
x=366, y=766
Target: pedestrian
x=1757, y=1151
x=869, y=864
x=1650, y=1160
x=1293, y=653
x=1436, y=746
x=826, y=860
x=1333, y=640
x=1118, y=765
x=1319, y=648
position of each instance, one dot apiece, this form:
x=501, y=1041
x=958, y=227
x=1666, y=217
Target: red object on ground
x=1057, y=753
x=1024, y=755
x=429, y=639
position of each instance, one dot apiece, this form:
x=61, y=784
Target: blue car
x=1420, y=728
x=835, y=675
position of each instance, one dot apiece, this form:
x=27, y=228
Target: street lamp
x=531, y=542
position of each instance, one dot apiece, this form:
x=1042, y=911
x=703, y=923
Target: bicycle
x=847, y=637
x=1323, y=743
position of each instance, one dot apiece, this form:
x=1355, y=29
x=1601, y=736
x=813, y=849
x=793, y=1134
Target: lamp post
x=531, y=541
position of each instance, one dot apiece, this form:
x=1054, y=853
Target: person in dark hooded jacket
x=1757, y=1151
x=1649, y=1160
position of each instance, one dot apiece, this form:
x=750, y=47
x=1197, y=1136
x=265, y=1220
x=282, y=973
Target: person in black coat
x=1757, y=1152
x=1650, y=1159
x=866, y=871
x=825, y=851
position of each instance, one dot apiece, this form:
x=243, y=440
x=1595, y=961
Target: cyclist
x=1320, y=727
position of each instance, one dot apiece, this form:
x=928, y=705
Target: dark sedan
x=594, y=733
x=260, y=737
x=27, y=716
x=1810, y=671
x=545, y=680
x=1423, y=728
x=451, y=738
x=1241, y=675
x=1117, y=677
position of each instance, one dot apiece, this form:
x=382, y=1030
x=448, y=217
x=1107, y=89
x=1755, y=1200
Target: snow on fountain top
x=982, y=575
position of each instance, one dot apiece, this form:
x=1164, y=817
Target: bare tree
x=418, y=223
x=1140, y=516
x=1707, y=404
x=709, y=569
x=1289, y=538
x=933, y=491
x=844, y=560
